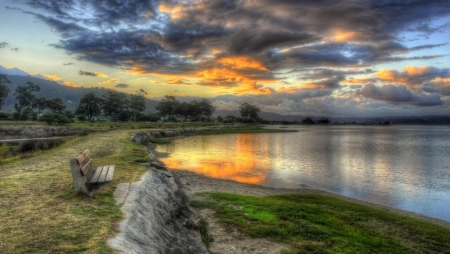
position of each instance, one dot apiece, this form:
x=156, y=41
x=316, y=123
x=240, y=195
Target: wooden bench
x=86, y=178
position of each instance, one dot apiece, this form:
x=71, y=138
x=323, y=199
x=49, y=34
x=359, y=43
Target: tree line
x=113, y=106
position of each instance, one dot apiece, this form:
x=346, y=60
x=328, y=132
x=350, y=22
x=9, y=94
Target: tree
x=55, y=105
x=167, y=106
x=182, y=110
x=137, y=103
x=114, y=103
x=308, y=120
x=4, y=91
x=50, y=118
x=193, y=110
x=90, y=105
x=323, y=121
x=206, y=109
x=249, y=111
x=25, y=97
x=40, y=104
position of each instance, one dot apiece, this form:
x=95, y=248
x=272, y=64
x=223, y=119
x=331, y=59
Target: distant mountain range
x=392, y=119
x=49, y=89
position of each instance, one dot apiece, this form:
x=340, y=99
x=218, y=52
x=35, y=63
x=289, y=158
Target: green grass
x=321, y=224
x=247, y=129
x=40, y=211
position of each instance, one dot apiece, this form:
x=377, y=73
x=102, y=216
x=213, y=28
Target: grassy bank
x=40, y=211
x=319, y=224
x=246, y=129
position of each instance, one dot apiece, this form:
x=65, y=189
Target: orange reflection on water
x=235, y=164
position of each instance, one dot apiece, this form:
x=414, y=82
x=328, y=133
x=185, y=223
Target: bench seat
x=86, y=178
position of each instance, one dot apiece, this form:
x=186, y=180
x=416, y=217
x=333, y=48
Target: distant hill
x=49, y=89
x=444, y=120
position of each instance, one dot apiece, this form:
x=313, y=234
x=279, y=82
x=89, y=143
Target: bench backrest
x=85, y=164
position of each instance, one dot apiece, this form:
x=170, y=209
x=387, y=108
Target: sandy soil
x=228, y=240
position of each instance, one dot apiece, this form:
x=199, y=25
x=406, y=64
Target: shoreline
x=194, y=183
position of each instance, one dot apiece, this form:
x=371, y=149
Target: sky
x=307, y=57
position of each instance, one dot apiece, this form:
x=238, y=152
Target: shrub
x=59, y=119
x=34, y=145
x=4, y=116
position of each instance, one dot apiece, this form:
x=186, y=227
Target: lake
x=405, y=167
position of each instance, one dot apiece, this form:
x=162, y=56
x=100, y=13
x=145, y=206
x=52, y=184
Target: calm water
x=406, y=167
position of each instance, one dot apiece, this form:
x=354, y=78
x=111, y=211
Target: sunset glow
x=339, y=58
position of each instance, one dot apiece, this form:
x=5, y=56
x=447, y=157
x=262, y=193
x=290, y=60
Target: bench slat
x=82, y=157
x=110, y=175
x=95, y=177
x=102, y=177
x=86, y=167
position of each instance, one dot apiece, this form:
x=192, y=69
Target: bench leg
x=78, y=179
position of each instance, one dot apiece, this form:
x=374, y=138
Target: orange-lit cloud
x=177, y=11
x=340, y=35
x=109, y=81
x=220, y=75
x=70, y=84
x=173, y=11
x=411, y=76
x=58, y=80
x=241, y=74
x=291, y=90
x=242, y=62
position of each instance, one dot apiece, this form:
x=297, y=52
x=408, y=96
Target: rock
x=157, y=134
x=142, y=138
x=157, y=165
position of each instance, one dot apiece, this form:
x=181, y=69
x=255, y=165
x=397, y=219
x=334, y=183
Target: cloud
x=15, y=49
x=109, y=81
x=179, y=37
x=68, y=63
x=121, y=86
x=439, y=85
x=93, y=74
x=399, y=94
x=3, y=44
x=56, y=79
x=412, y=76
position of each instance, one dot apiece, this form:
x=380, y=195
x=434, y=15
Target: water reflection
x=406, y=167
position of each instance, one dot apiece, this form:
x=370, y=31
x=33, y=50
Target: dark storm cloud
x=140, y=36
x=399, y=94
x=121, y=86
x=104, y=12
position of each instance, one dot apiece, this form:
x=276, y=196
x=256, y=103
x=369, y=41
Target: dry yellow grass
x=40, y=211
